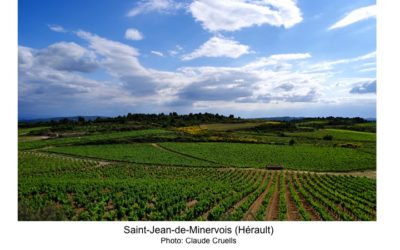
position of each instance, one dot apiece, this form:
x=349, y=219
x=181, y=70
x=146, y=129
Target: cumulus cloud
x=133, y=34
x=232, y=15
x=310, y=96
x=355, y=16
x=49, y=73
x=57, y=28
x=157, y=53
x=216, y=83
x=248, y=85
x=206, y=92
x=48, y=83
x=286, y=86
x=218, y=47
x=160, y=6
x=67, y=57
x=25, y=57
x=58, y=74
x=121, y=62
x=364, y=87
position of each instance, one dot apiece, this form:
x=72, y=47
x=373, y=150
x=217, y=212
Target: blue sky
x=252, y=58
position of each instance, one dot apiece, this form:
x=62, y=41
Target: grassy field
x=98, y=138
x=135, y=152
x=337, y=134
x=230, y=126
x=25, y=131
x=297, y=157
x=300, y=157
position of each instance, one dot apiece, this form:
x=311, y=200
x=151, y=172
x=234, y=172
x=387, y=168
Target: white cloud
x=53, y=72
x=56, y=76
x=277, y=60
x=367, y=70
x=286, y=57
x=67, y=56
x=218, y=47
x=368, y=56
x=323, y=66
x=161, y=6
x=366, y=87
x=252, y=84
x=121, y=62
x=25, y=57
x=232, y=15
x=157, y=53
x=369, y=64
x=355, y=16
x=133, y=34
x=107, y=47
x=177, y=50
x=57, y=28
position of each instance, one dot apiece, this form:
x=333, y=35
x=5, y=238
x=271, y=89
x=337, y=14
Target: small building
x=274, y=167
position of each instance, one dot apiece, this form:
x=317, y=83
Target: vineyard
x=63, y=187
x=227, y=155
x=177, y=168
x=300, y=157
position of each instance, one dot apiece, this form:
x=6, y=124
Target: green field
x=230, y=126
x=338, y=134
x=25, y=131
x=297, y=157
x=291, y=157
x=99, y=138
x=135, y=152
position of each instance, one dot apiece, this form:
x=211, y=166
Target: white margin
x=288, y=235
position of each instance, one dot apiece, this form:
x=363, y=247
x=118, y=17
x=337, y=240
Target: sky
x=250, y=58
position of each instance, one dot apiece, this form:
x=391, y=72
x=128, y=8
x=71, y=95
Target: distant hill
x=281, y=118
x=292, y=118
x=91, y=118
x=56, y=119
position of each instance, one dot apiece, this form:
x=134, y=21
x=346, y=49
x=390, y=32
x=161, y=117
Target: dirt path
x=103, y=163
x=251, y=214
x=59, y=156
x=100, y=163
x=205, y=215
x=367, y=173
x=293, y=213
x=273, y=205
x=158, y=146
